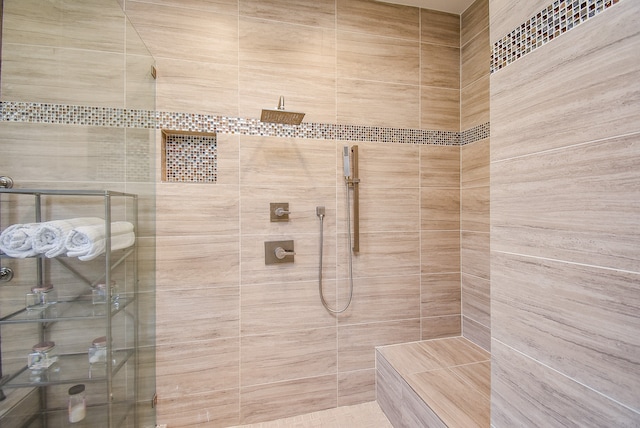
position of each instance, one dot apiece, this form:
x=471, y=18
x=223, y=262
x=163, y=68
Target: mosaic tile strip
x=103, y=116
x=476, y=133
x=190, y=158
x=552, y=21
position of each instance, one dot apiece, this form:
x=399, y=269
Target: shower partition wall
x=78, y=111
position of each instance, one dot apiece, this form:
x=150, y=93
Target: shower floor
x=367, y=415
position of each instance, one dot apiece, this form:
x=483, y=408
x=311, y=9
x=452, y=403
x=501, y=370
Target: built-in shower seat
x=434, y=383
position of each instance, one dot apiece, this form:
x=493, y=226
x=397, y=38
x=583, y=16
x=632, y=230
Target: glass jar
x=100, y=294
x=77, y=403
x=41, y=297
x=42, y=356
x=98, y=351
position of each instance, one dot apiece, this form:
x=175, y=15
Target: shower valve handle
x=281, y=253
x=281, y=211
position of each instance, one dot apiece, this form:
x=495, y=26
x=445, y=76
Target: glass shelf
x=67, y=370
x=66, y=311
x=97, y=417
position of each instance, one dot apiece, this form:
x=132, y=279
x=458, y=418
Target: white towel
x=88, y=242
x=17, y=240
x=50, y=237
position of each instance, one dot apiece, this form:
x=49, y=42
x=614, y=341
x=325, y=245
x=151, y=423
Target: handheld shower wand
x=346, y=161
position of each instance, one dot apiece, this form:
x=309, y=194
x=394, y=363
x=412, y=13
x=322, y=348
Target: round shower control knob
x=281, y=253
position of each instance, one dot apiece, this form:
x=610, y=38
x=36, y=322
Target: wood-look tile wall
x=565, y=264
x=269, y=348
x=474, y=176
x=52, y=53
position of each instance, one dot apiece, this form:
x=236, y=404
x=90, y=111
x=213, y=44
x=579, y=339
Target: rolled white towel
x=88, y=242
x=17, y=240
x=50, y=237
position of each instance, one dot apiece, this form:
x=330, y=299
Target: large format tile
x=363, y=102
x=358, y=386
x=382, y=254
x=439, y=208
x=276, y=46
x=592, y=83
x=216, y=315
x=357, y=343
x=181, y=370
x=440, y=166
x=182, y=33
x=474, y=253
x=378, y=18
x=62, y=76
x=452, y=399
x=197, y=209
x=579, y=320
x=202, y=87
x=64, y=24
x=440, y=327
x=220, y=6
x=191, y=261
x=278, y=357
x=440, y=109
x=474, y=212
x=473, y=20
x=474, y=164
x=475, y=58
x=388, y=166
x=439, y=66
x=581, y=204
x=476, y=333
x=286, y=162
x=439, y=28
x=387, y=59
x=386, y=211
x=200, y=409
x=474, y=103
x=382, y=299
x=440, y=251
x=520, y=396
x=320, y=13
x=476, y=299
x=282, y=399
x=440, y=294
x=277, y=308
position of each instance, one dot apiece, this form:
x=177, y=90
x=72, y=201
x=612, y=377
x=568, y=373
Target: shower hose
x=324, y=302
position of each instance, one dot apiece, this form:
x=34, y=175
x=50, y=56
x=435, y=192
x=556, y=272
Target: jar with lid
x=42, y=356
x=41, y=297
x=98, y=351
x=100, y=294
x=77, y=403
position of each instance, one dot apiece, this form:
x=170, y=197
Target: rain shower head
x=281, y=116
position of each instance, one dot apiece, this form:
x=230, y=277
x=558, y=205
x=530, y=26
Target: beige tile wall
x=474, y=175
x=564, y=216
x=52, y=53
x=351, y=62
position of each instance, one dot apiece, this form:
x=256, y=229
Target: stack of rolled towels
x=82, y=237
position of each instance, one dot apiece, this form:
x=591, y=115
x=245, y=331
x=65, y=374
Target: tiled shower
x=240, y=342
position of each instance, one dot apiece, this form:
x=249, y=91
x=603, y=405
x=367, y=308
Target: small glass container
x=41, y=297
x=100, y=294
x=42, y=356
x=77, y=403
x=98, y=351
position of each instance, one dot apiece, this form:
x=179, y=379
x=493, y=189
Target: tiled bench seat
x=434, y=383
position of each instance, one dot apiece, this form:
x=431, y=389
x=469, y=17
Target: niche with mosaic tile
x=189, y=157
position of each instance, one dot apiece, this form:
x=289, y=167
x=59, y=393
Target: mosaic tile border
x=552, y=21
x=104, y=116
